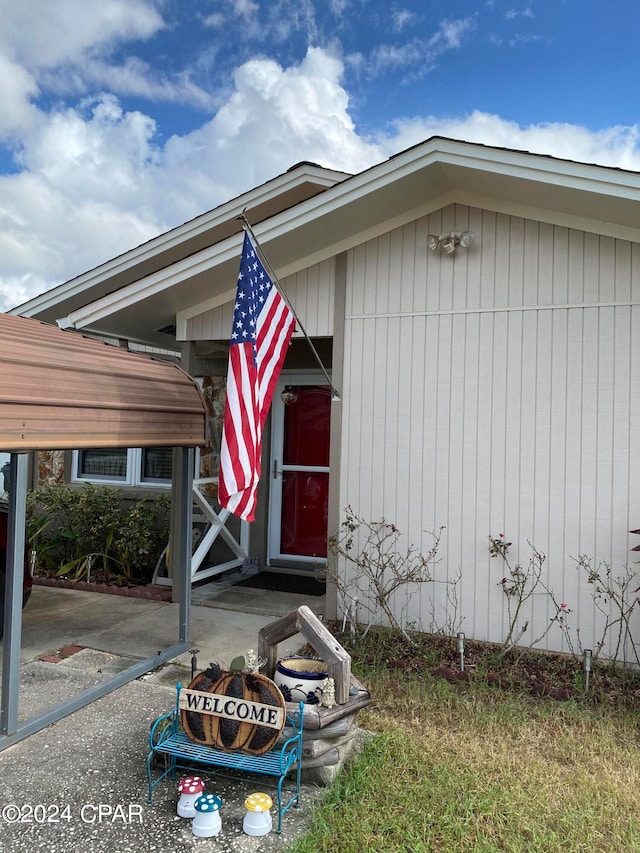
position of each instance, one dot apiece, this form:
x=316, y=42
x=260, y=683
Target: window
x=128, y=467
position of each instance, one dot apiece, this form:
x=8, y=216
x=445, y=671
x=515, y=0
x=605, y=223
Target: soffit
x=61, y=390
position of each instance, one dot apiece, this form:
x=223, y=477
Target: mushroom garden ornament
x=190, y=789
x=207, y=821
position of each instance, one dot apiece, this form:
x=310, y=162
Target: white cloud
x=52, y=46
x=96, y=182
x=136, y=78
x=296, y=113
x=339, y=7
x=419, y=56
x=614, y=146
x=46, y=34
x=510, y=14
x=17, y=88
x=401, y=17
x=521, y=39
x=450, y=33
x=215, y=20
x=80, y=198
x=96, y=179
x=65, y=48
x=244, y=8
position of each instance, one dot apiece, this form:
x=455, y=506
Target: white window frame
x=133, y=475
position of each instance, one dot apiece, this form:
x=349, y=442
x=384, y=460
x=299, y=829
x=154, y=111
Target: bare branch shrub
x=376, y=572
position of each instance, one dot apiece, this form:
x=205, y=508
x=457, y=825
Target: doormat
x=285, y=583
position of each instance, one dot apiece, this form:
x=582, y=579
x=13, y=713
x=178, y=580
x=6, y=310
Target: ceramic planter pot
x=298, y=677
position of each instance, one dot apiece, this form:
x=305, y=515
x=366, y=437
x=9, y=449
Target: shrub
x=75, y=531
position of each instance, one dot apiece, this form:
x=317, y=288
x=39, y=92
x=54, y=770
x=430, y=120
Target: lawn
x=471, y=767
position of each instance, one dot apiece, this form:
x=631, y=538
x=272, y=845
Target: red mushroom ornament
x=190, y=789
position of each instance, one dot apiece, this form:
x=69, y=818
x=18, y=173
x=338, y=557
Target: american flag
x=262, y=327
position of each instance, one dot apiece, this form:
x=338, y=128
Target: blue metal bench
x=167, y=740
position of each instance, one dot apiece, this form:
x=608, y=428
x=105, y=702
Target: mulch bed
x=152, y=592
x=537, y=673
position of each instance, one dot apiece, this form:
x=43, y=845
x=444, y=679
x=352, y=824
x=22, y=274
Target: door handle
x=275, y=469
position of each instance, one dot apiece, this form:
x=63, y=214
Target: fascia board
x=330, y=251
x=218, y=254
x=439, y=152
x=156, y=282
x=542, y=169
x=359, y=237
x=194, y=227
x=301, y=214
x=518, y=165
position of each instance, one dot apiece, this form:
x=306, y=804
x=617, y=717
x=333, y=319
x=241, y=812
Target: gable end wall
x=494, y=391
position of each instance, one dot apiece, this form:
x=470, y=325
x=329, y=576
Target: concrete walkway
x=86, y=773
x=225, y=620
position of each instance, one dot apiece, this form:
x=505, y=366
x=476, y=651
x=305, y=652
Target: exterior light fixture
x=289, y=395
x=449, y=242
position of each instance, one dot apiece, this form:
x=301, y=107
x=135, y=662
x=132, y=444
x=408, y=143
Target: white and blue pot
x=298, y=678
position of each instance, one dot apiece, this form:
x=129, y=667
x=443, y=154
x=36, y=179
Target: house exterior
x=489, y=389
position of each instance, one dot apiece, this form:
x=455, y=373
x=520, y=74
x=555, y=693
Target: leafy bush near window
x=94, y=533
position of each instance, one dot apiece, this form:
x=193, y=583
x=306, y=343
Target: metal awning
x=61, y=390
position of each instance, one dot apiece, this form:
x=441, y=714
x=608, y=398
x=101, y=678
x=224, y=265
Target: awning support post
x=13, y=593
x=11, y=731
x=180, y=541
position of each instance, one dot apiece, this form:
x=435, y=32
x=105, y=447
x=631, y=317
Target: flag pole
x=335, y=394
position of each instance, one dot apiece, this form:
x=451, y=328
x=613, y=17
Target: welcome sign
x=240, y=710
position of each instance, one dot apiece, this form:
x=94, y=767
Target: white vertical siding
x=310, y=292
x=496, y=391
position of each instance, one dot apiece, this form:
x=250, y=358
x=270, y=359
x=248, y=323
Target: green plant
x=142, y=526
x=66, y=524
x=92, y=531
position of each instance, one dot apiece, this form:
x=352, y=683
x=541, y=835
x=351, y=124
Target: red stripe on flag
x=250, y=385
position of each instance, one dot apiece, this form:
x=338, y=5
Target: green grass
x=478, y=769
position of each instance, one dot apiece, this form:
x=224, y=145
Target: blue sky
x=124, y=118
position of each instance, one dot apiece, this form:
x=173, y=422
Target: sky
x=121, y=119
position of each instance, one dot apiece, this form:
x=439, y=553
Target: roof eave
x=294, y=177
x=410, y=182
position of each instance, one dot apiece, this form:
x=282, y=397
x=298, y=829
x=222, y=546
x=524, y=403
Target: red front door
x=300, y=486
